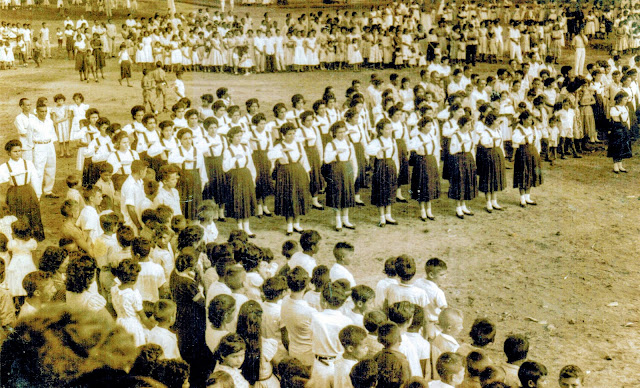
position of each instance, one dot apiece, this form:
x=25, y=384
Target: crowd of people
x=138, y=240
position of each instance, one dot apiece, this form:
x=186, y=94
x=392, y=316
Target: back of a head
x=389, y=334
x=447, y=317
x=401, y=312
x=334, y=295
x=297, y=279
x=516, y=348
x=483, y=332
x=492, y=374
x=373, y=319
x=320, y=277
x=309, y=239
x=352, y=335
x=405, y=267
x=364, y=374
x=449, y=364
x=362, y=293
x=476, y=363
x=531, y=371
x=164, y=310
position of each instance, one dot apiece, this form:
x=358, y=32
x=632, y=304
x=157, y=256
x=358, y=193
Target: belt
x=41, y=142
x=325, y=358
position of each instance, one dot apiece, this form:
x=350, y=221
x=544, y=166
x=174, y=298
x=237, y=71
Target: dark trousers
x=270, y=63
x=471, y=52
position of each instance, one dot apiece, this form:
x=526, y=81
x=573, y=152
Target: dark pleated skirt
x=491, y=169
x=81, y=61
x=216, y=187
x=100, y=62
x=292, y=196
x=384, y=182
x=326, y=139
x=340, y=185
x=189, y=187
x=403, y=156
x=445, y=157
x=90, y=173
x=463, y=181
x=23, y=203
x=316, y=181
x=425, y=182
x=619, y=142
x=241, y=194
x=361, y=159
x=125, y=69
x=526, y=167
x=264, y=183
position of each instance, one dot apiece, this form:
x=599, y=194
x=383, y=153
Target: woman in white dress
x=61, y=119
x=312, y=49
x=127, y=301
x=299, y=55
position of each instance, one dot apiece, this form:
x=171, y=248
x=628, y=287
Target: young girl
x=619, y=137
x=229, y=356
x=78, y=112
x=355, y=57
x=385, y=171
x=221, y=311
x=342, y=169
x=213, y=149
x=193, y=175
x=121, y=159
x=261, y=143
x=61, y=120
x=526, y=166
x=490, y=159
x=238, y=164
x=309, y=136
x=425, y=180
x=125, y=64
x=462, y=172
x=260, y=351
x=127, y=301
x=21, y=263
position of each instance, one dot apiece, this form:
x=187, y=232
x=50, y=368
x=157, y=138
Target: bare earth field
x=552, y=271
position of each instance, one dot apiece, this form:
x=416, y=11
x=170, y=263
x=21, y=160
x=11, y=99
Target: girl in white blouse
x=526, y=164
x=358, y=137
x=340, y=157
x=160, y=150
x=292, y=197
x=309, y=137
x=619, y=135
x=193, y=175
x=490, y=160
x=241, y=195
x=384, y=150
x=462, y=171
x=425, y=180
x=212, y=149
x=121, y=159
x=261, y=143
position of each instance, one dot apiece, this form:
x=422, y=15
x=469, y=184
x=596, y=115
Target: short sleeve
x=4, y=173
x=137, y=301
x=129, y=195
x=269, y=348
x=96, y=302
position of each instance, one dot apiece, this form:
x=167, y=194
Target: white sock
x=494, y=202
x=527, y=197
x=383, y=220
x=459, y=210
x=289, y=228
x=388, y=217
x=265, y=209
x=523, y=199
x=464, y=208
x=246, y=227
x=316, y=202
x=345, y=221
x=423, y=213
x=220, y=213
x=338, y=222
x=489, y=205
x=259, y=209
x=297, y=226
x=358, y=198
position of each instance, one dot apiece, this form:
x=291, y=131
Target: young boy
x=450, y=322
x=161, y=253
x=289, y=247
x=571, y=376
x=362, y=297
x=401, y=313
x=532, y=375
x=450, y=367
x=151, y=280
x=149, y=223
x=106, y=248
x=104, y=183
x=40, y=289
x=352, y=339
x=372, y=321
x=325, y=326
x=310, y=242
x=422, y=345
x=89, y=220
x=178, y=86
x=435, y=271
x=148, y=85
x=393, y=367
x=296, y=315
x=73, y=192
x=164, y=312
x=405, y=290
x=389, y=280
x=343, y=252
x=476, y=363
x=516, y=348
x=482, y=333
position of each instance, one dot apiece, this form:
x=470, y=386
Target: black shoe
x=317, y=207
x=360, y=204
x=488, y=210
x=616, y=172
x=394, y=222
x=299, y=231
x=423, y=219
x=338, y=229
x=351, y=227
x=576, y=156
x=499, y=208
x=268, y=214
x=288, y=233
x=523, y=205
x=221, y=219
x=381, y=224
x=432, y=218
x=624, y=171
x=532, y=203
x=468, y=213
x=252, y=235
x=259, y=216
x=401, y=200
x=460, y=216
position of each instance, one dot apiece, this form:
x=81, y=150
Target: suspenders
x=338, y=154
x=13, y=177
x=120, y=161
x=184, y=162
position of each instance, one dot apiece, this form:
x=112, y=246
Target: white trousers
x=322, y=374
x=44, y=158
x=581, y=54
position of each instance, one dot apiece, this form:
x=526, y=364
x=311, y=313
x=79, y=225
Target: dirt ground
x=564, y=273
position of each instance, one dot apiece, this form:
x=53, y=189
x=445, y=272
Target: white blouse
x=146, y=139
x=99, y=149
x=310, y=137
x=461, y=142
x=383, y=148
x=341, y=151
x=449, y=128
x=523, y=135
x=20, y=173
x=323, y=124
x=356, y=133
x=121, y=161
x=213, y=146
x=261, y=141
x=424, y=144
x=490, y=138
x=162, y=147
x=400, y=130
x=287, y=153
x=236, y=157
x=188, y=160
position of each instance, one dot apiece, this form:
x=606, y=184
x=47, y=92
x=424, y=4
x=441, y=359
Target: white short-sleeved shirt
x=410, y=351
x=342, y=369
x=381, y=289
x=89, y=221
x=325, y=327
x=436, y=296
x=422, y=346
x=271, y=320
x=407, y=292
x=338, y=271
x=303, y=260
x=167, y=340
x=296, y=316
x=132, y=193
x=168, y=197
x=150, y=278
x=21, y=174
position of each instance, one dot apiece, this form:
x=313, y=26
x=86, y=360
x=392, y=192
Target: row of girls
x=234, y=163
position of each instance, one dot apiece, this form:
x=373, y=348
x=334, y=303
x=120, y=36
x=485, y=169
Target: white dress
x=21, y=264
x=299, y=56
x=79, y=113
x=127, y=303
x=62, y=129
x=147, y=51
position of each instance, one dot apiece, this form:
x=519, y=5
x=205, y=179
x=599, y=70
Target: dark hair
x=11, y=144
x=449, y=363
x=352, y=335
x=172, y=373
x=401, y=312
x=483, y=332
x=125, y=236
x=189, y=236
x=373, y=319
x=34, y=281
x=362, y=293
x=163, y=309
x=185, y=260
x=52, y=258
x=80, y=273
x=434, y=265
x=127, y=271
x=219, y=309
x=320, y=277
x=249, y=328
x=405, y=267
x=516, y=348
x=297, y=279
x=309, y=239
x=334, y=295
x=229, y=344
x=531, y=371
x=364, y=374
x=21, y=229
x=274, y=287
